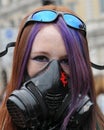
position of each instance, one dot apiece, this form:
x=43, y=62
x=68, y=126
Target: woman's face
x=47, y=45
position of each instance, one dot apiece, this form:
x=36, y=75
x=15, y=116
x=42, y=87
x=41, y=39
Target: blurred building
x=11, y=14
x=91, y=11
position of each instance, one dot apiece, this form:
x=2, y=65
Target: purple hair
x=79, y=63
x=30, y=40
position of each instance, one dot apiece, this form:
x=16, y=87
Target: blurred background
x=91, y=11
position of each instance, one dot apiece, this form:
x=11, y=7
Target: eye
x=65, y=65
x=40, y=58
x=64, y=61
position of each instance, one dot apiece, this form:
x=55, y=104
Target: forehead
x=48, y=39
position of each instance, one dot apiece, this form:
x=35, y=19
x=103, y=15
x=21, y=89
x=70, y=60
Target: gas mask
x=43, y=100
x=40, y=97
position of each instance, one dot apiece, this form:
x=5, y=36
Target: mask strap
x=99, y=67
x=11, y=44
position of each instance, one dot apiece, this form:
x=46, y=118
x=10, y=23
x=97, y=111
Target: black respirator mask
x=40, y=98
x=42, y=102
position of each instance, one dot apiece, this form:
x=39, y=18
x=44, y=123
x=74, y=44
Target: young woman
x=51, y=86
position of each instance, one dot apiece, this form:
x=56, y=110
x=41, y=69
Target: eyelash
x=64, y=61
x=40, y=58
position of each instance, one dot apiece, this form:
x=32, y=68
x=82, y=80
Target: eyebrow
x=65, y=56
x=39, y=53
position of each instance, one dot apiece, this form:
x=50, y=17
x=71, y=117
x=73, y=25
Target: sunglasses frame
x=81, y=27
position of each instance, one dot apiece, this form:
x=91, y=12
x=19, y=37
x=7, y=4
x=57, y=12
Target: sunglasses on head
x=47, y=16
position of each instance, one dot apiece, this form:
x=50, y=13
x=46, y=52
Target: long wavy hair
x=81, y=78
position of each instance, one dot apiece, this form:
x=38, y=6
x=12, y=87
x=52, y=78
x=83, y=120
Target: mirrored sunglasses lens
x=73, y=21
x=44, y=16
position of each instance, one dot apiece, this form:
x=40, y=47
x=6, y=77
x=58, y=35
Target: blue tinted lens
x=44, y=16
x=49, y=16
x=73, y=21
